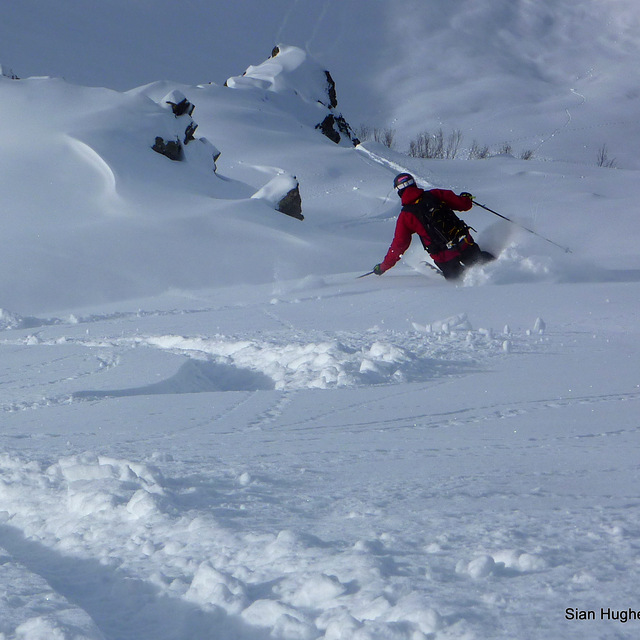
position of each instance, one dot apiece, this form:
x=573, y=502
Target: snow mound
x=502, y=563
x=10, y=320
x=194, y=376
x=441, y=348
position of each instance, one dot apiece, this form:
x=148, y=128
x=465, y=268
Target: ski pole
x=565, y=249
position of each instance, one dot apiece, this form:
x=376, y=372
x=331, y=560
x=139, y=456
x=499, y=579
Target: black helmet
x=402, y=181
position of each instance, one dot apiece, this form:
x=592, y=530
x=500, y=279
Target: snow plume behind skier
x=430, y=214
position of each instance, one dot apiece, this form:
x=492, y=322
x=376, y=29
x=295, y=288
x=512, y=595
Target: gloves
x=378, y=270
x=466, y=194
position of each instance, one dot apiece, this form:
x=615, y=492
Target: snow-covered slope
x=212, y=429
x=125, y=221
x=556, y=76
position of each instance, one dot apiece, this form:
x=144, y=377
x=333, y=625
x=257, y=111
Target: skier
x=444, y=236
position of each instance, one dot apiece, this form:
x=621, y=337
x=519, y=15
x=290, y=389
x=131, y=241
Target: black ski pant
x=453, y=269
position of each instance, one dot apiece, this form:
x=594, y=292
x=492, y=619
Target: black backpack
x=440, y=222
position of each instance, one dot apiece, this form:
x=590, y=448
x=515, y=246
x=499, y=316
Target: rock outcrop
x=8, y=73
x=176, y=149
x=291, y=203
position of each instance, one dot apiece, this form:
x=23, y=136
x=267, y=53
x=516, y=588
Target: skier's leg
x=487, y=257
x=451, y=270
x=474, y=255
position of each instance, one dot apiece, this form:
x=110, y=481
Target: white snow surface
x=212, y=428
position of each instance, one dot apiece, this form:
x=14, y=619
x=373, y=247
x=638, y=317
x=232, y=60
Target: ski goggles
x=404, y=184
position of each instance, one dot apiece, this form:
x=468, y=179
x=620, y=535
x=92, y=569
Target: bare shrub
x=436, y=145
x=420, y=146
x=453, y=144
x=603, y=159
x=385, y=136
x=363, y=132
x=477, y=152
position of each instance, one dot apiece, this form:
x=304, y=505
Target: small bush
x=420, y=146
x=477, y=152
x=364, y=132
x=385, y=136
x=603, y=159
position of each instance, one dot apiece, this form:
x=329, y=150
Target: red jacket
x=408, y=224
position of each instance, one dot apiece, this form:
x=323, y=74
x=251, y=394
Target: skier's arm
x=400, y=243
x=459, y=203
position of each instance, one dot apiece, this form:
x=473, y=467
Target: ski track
x=312, y=359
x=116, y=550
x=106, y=354
x=474, y=415
x=135, y=577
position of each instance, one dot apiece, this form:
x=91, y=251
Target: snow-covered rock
x=289, y=71
x=282, y=192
